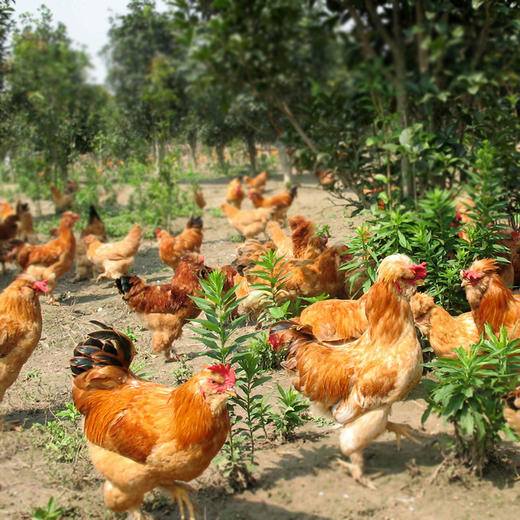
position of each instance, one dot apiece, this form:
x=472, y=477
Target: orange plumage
x=25, y=224
x=199, y=197
x=21, y=326
x=54, y=259
x=165, y=309
x=281, y=202
x=490, y=300
x=358, y=383
x=144, y=435
x=444, y=332
x=258, y=182
x=172, y=249
x=248, y=222
x=234, y=192
x=114, y=259
x=6, y=210
x=9, y=227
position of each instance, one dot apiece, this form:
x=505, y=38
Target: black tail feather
x=93, y=214
x=123, y=284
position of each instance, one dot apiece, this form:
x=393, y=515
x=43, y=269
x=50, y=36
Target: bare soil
x=300, y=480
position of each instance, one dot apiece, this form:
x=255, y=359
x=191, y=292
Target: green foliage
x=50, y=512
x=266, y=356
x=61, y=440
x=468, y=392
x=293, y=412
x=183, y=372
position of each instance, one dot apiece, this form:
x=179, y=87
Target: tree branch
x=482, y=38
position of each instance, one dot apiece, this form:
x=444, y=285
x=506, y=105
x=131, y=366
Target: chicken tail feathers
x=125, y=284
x=93, y=214
x=104, y=347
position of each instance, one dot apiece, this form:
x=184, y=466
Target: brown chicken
x=490, y=300
x=5, y=210
x=326, y=177
x=114, y=259
x=165, y=309
x=234, y=192
x=21, y=319
x=52, y=260
x=280, y=202
x=25, y=223
x=258, y=182
x=96, y=228
x=512, y=410
x=143, y=435
x=358, y=383
x=172, y=249
x=9, y=227
x=444, y=332
x=248, y=222
x=199, y=197
x=249, y=252
x=62, y=201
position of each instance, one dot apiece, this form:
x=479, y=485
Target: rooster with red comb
x=357, y=382
x=143, y=435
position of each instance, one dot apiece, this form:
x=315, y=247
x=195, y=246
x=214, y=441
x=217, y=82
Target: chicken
x=6, y=210
x=326, y=177
x=306, y=244
x=25, y=224
x=21, y=319
x=359, y=382
x=234, y=192
x=444, y=332
x=512, y=410
x=258, y=182
x=283, y=243
x=280, y=202
x=143, y=435
x=52, y=260
x=114, y=259
x=96, y=228
x=249, y=252
x=9, y=227
x=165, y=309
x=248, y=222
x=62, y=201
x=8, y=251
x=463, y=207
x=172, y=249
x=199, y=197
x=490, y=300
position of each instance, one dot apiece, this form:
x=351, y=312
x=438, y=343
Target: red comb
x=471, y=276
x=201, y=259
x=41, y=285
x=325, y=240
x=273, y=340
x=157, y=233
x=419, y=270
x=227, y=373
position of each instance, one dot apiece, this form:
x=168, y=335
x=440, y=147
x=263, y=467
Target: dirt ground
x=300, y=480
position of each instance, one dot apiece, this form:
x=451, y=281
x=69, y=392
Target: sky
x=87, y=23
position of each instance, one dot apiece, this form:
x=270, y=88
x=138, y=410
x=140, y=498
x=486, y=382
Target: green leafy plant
x=468, y=392
x=293, y=411
x=50, y=512
x=266, y=356
x=183, y=372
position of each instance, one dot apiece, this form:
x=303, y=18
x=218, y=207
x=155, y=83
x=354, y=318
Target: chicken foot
x=404, y=431
x=356, y=468
x=180, y=494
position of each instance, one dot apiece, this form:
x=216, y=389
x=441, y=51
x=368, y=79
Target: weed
x=468, y=392
x=50, y=512
x=216, y=213
x=293, y=411
x=183, y=372
x=131, y=334
x=138, y=367
x=236, y=239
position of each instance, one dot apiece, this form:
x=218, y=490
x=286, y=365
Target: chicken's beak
x=464, y=283
x=231, y=392
x=420, y=281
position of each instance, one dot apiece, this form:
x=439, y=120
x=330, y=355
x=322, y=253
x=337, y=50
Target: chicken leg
x=402, y=430
x=180, y=494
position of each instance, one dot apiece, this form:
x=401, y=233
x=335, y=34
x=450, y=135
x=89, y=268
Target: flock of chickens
x=354, y=358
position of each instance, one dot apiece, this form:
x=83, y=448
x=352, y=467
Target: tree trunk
x=158, y=148
x=285, y=162
x=192, y=143
x=251, y=150
x=220, y=157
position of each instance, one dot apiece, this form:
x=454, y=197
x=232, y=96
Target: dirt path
x=300, y=480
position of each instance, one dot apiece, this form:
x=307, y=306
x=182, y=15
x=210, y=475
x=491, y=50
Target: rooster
x=116, y=258
x=198, y=196
x=444, y=332
x=165, y=309
x=143, y=435
x=490, y=300
x=359, y=382
x=234, y=192
x=21, y=326
x=25, y=223
x=172, y=249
